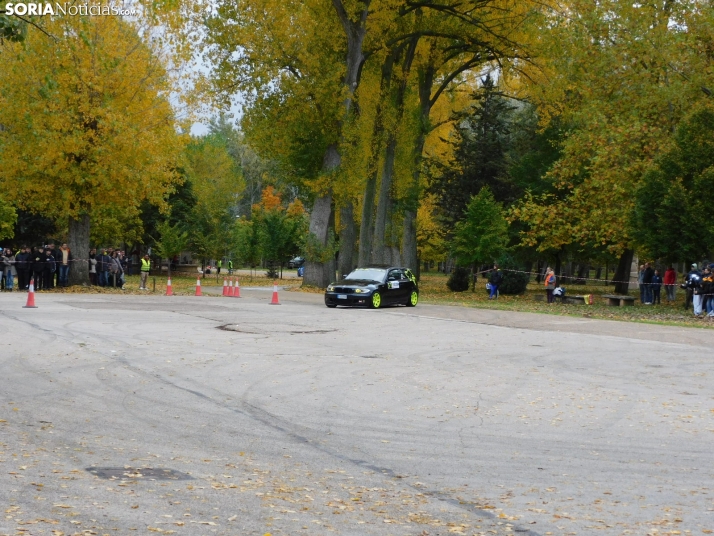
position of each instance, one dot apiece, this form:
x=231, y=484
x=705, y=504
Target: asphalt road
x=200, y=416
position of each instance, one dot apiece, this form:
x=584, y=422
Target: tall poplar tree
x=88, y=128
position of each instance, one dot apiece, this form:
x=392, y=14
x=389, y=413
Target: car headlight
x=361, y=290
x=330, y=288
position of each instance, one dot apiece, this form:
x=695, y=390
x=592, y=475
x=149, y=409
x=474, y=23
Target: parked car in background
x=296, y=262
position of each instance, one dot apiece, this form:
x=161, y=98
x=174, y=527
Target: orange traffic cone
x=169, y=288
x=275, y=295
x=229, y=292
x=31, y=296
x=198, y=287
x=236, y=289
x=225, y=287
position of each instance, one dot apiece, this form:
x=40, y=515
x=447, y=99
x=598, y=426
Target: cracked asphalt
x=229, y=416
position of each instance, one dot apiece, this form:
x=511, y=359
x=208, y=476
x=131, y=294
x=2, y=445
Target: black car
x=374, y=286
x=296, y=262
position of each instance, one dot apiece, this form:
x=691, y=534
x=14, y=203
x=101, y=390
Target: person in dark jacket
x=656, y=287
x=706, y=288
x=495, y=279
x=103, y=264
x=57, y=258
x=49, y=270
x=647, y=282
x=38, y=267
x=22, y=265
x=692, y=280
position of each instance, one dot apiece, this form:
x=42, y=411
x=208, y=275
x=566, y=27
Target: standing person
x=38, y=268
x=145, y=269
x=647, y=282
x=230, y=267
x=641, y=283
x=22, y=267
x=670, y=283
x=656, y=287
x=495, y=279
x=93, y=267
x=549, y=282
x=56, y=257
x=124, y=265
x=103, y=263
x=692, y=278
x=10, y=271
x=65, y=257
x=113, y=269
x=3, y=263
x=697, y=294
x=705, y=290
x=118, y=273
x=50, y=269
x=219, y=264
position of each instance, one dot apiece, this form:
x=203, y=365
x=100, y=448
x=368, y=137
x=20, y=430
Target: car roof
x=378, y=267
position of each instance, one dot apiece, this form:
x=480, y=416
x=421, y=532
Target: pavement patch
x=137, y=473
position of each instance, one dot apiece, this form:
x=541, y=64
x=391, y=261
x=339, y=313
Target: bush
x=513, y=282
x=459, y=280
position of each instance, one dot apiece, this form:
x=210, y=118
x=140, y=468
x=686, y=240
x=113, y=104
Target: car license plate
x=342, y=296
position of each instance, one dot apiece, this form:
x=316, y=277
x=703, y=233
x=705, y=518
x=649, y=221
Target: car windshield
x=369, y=274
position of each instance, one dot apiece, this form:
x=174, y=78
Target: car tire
x=330, y=305
x=413, y=299
x=375, y=301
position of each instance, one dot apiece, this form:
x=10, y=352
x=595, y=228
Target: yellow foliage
x=270, y=200
x=87, y=119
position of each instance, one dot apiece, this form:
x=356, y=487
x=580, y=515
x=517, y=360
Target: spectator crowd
x=49, y=267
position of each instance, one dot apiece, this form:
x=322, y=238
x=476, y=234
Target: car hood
x=355, y=283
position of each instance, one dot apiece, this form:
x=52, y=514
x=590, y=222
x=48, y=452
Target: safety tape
x=574, y=277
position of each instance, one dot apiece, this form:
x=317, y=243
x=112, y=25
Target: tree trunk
x=583, y=274
x=320, y=272
x=385, y=204
x=622, y=274
x=409, y=243
x=348, y=237
x=367, y=227
x=409, y=238
x=78, y=243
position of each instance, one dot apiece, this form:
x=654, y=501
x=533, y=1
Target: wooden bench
x=573, y=300
x=618, y=301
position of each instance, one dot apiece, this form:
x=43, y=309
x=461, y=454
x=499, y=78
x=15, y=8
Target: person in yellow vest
x=145, y=268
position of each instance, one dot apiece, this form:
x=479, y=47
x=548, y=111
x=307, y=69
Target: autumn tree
x=217, y=184
x=621, y=76
x=173, y=240
x=86, y=124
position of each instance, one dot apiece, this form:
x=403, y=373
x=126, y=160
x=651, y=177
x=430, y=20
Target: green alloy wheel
x=376, y=300
x=413, y=299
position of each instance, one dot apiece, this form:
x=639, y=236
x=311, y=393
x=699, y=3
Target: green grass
x=433, y=290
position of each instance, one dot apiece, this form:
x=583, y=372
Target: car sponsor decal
x=394, y=284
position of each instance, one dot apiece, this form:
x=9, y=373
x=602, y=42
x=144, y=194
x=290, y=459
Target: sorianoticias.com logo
x=66, y=8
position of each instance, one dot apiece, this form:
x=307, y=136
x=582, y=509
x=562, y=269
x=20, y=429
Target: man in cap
x=692, y=281
x=145, y=269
